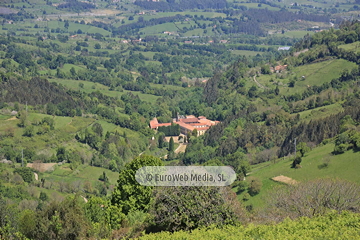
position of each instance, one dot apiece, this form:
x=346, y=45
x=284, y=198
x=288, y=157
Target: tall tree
x=129, y=195
x=171, y=145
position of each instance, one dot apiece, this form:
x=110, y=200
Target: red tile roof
x=154, y=123
x=186, y=126
x=164, y=124
x=189, y=120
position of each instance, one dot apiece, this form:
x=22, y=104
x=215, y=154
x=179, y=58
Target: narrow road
x=179, y=149
x=259, y=84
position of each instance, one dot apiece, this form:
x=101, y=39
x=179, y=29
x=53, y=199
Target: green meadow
x=343, y=166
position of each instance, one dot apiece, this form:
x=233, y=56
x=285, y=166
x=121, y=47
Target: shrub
x=26, y=174
x=255, y=186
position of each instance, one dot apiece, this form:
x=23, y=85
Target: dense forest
x=181, y=5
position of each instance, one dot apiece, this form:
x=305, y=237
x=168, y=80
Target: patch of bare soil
x=11, y=119
x=298, y=53
x=41, y=167
x=285, y=179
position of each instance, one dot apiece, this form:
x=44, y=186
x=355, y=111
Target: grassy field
x=170, y=27
x=91, y=87
x=171, y=87
x=84, y=172
x=339, y=167
x=354, y=47
x=245, y=52
x=314, y=74
x=295, y=34
x=167, y=14
x=320, y=112
x=65, y=128
x=262, y=6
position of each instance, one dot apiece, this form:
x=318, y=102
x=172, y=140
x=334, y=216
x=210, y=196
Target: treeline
x=267, y=16
x=19, y=16
x=74, y=5
x=251, y=19
x=133, y=28
x=36, y=91
x=172, y=5
x=318, y=130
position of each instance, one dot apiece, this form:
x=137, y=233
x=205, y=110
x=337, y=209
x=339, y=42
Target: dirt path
x=84, y=199
x=181, y=148
x=145, y=150
x=302, y=51
x=259, y=84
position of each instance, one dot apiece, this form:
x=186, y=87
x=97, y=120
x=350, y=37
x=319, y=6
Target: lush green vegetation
x=79, y=83
x=342, y=226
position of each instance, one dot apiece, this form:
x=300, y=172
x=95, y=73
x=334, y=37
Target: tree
x=49, y=121
x=171, y=145
x=61, y=154
x=65, y=220
x=292, y=83
x=188, y=136
x=255, y=186
x=277, y=90
x=303, y=148
x=103, y=177
x=296, y=162
x=194, y=133
x=97, y=46
x=23, y=119
x=26, y=174
x=97, y=128
x=186, y=208
x=99, y=212
x=161, y=141
x=241, y=186
x=265, y=69
x=43, y=196
x=129, y=195
x=29, y=131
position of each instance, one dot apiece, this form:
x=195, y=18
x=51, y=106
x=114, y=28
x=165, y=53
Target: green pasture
x=342, y=166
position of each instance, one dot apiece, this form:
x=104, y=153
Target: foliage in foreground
x=330, y=226
x=190, y=207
